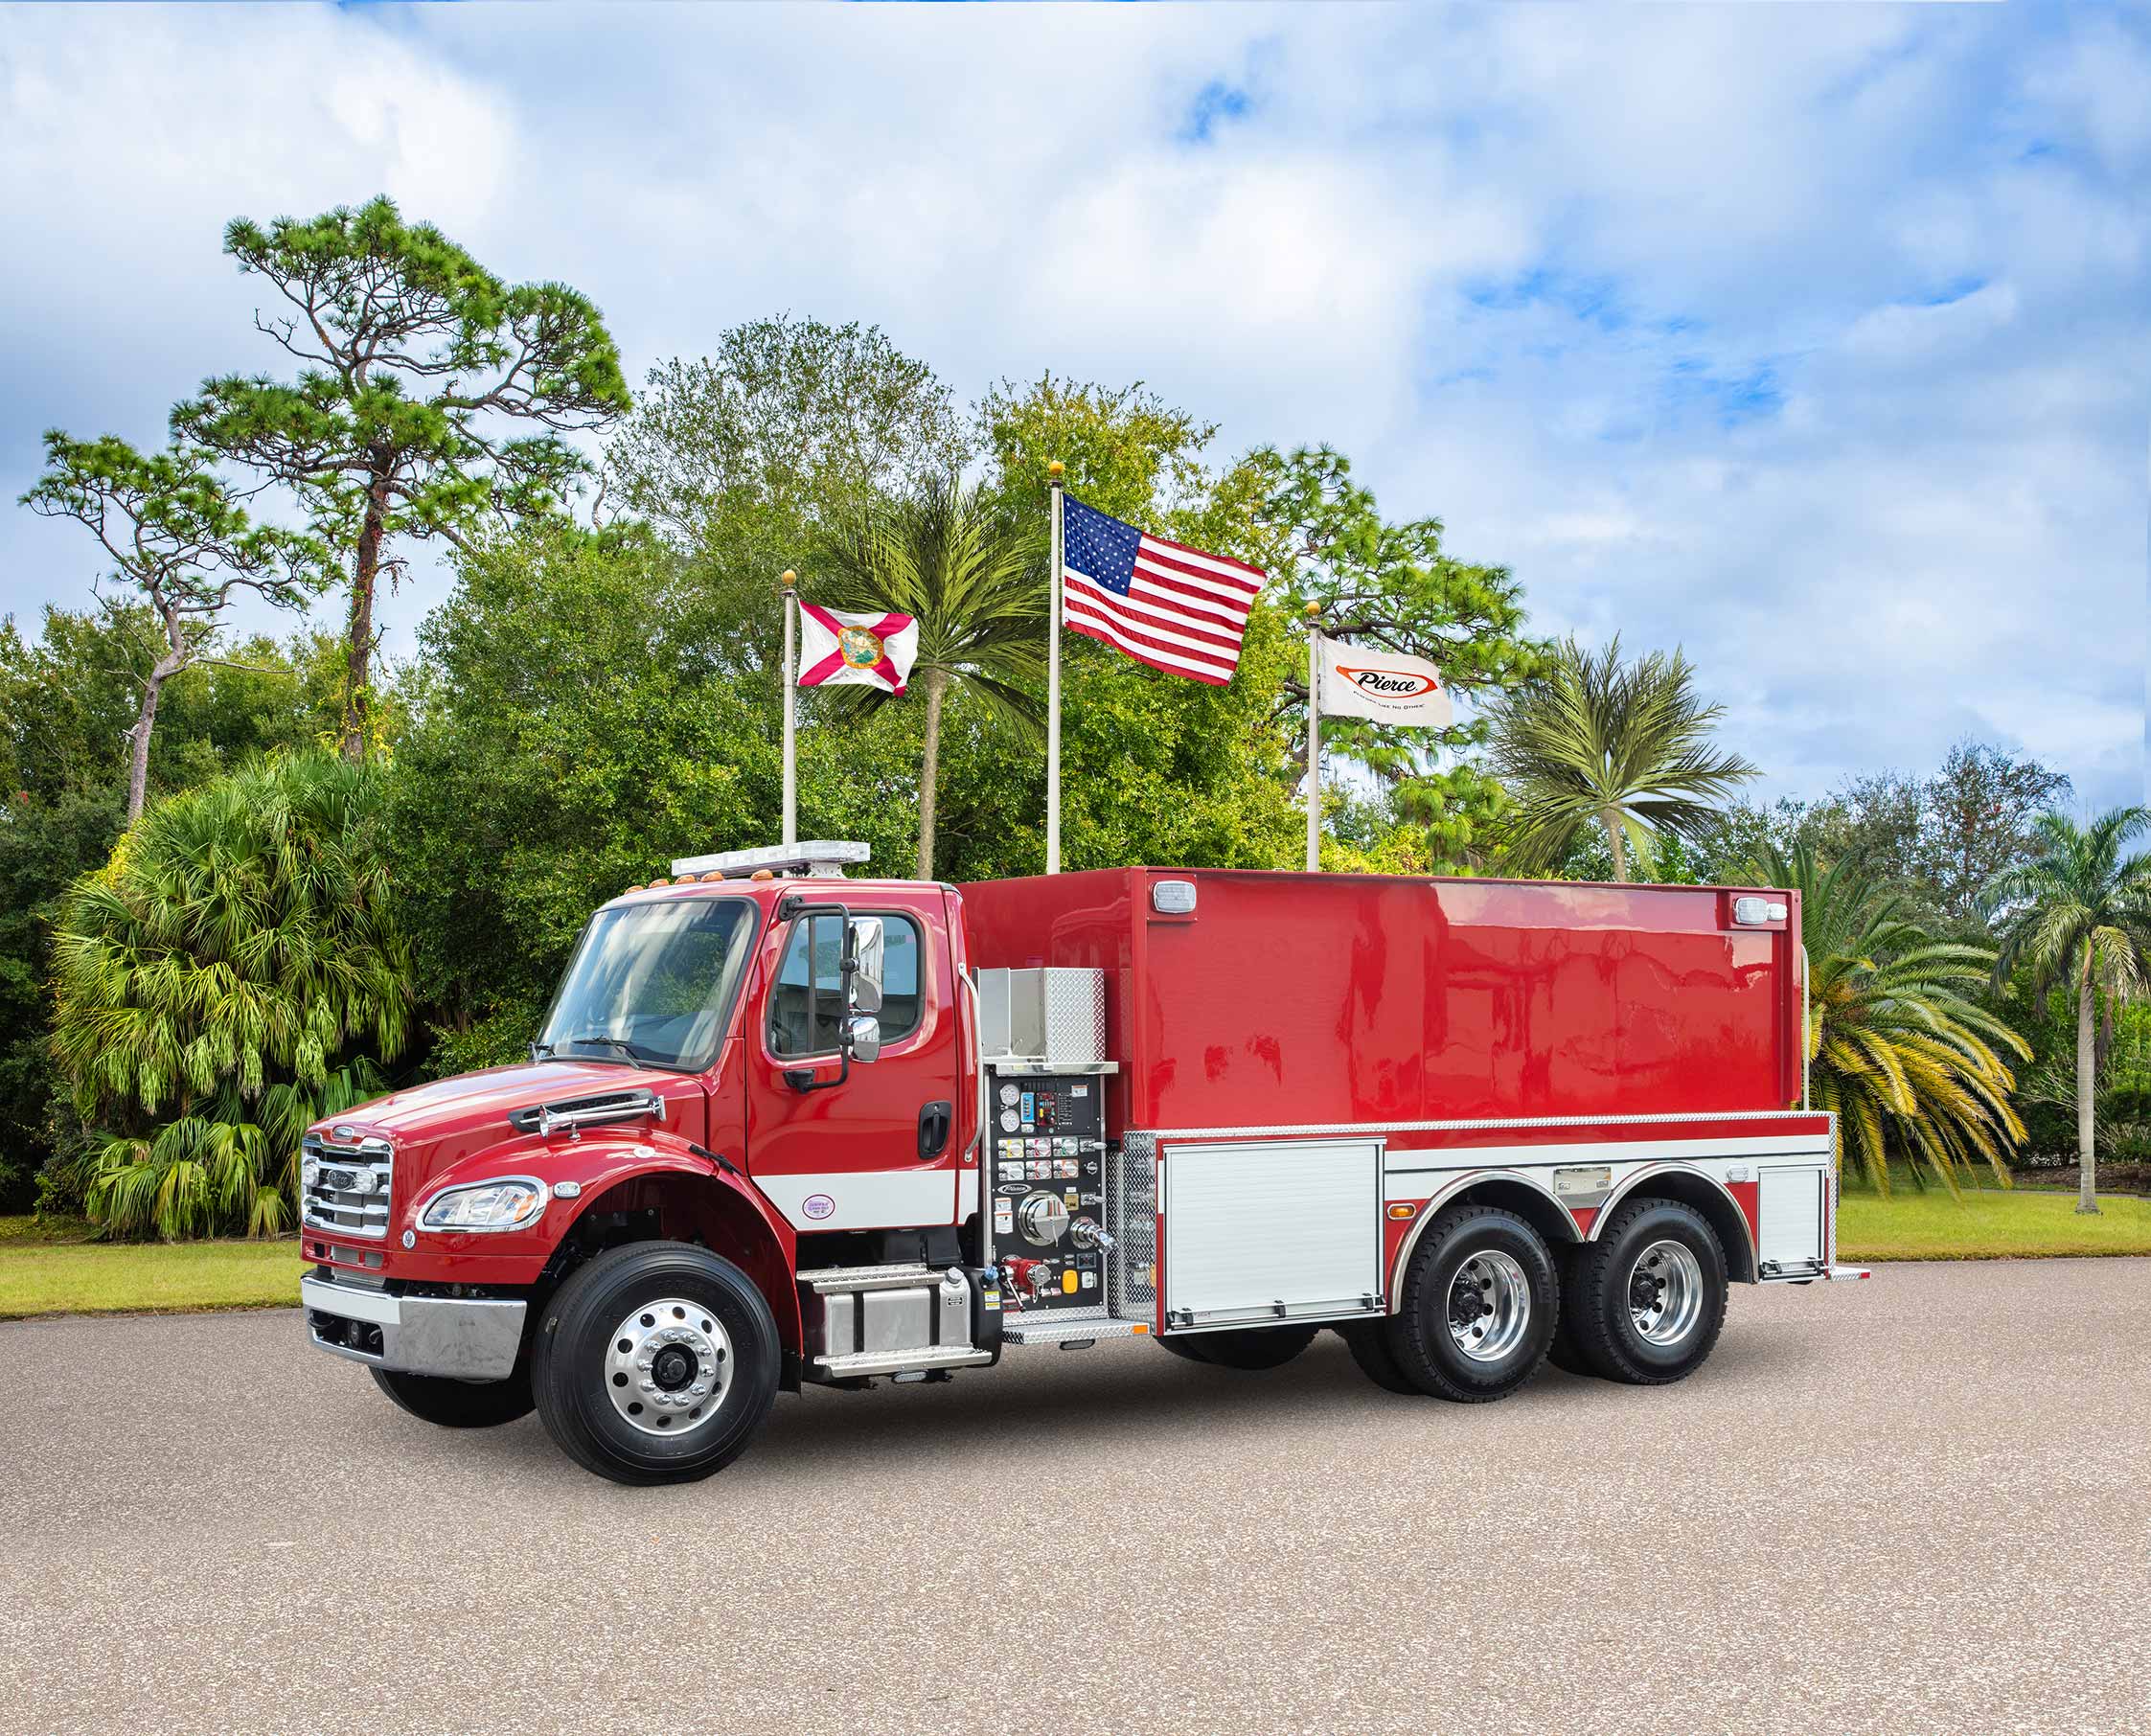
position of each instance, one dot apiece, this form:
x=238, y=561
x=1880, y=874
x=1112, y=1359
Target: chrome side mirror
x=862, y=1038
x=864, y=972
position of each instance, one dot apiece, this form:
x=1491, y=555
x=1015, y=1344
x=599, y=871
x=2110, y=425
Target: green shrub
x=234, y=972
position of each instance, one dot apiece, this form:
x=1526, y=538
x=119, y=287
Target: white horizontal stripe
x=1598, y=1151
x=1234, y=594
x=1204, y=609
x=1132, y=605
x=1196, y=557
x=1136, y=649
x=865, y=1199
x=1218, y=656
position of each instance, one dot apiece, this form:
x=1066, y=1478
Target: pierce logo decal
x=1390, y=683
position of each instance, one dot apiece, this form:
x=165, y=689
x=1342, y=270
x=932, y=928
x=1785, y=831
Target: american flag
x=1163, y=603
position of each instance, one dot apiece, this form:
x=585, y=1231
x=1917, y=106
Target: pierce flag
x=839, y=648
x=1385, y=686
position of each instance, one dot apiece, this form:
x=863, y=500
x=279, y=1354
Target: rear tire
x=1647, y=1300
x=1368, y=1342
x=1478, y=1308
x=1565, y=1352
x=1256, y=1347
x=655, y=1364
x=1187, y=1349
x=448, y=1403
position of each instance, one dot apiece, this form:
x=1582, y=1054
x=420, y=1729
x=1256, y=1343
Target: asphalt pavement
x=1914, y=1504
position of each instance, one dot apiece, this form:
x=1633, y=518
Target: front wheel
x=655, y=1364
x=450, y=1403
x=1647, y=1300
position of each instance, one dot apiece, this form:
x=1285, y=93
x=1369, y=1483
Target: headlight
x=512, y=1203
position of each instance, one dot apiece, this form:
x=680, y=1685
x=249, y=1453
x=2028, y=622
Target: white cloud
x=1813, y=340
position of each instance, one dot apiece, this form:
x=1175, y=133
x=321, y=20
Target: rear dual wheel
x=1476, y=1311
x=1645, y=1302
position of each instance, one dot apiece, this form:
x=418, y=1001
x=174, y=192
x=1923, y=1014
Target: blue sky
x=1814, y=340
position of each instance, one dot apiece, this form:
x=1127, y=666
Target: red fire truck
x=784, y=1127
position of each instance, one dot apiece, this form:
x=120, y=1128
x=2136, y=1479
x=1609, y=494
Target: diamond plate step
x=1062, y=1325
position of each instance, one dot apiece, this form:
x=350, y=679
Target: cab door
x=871, y=1146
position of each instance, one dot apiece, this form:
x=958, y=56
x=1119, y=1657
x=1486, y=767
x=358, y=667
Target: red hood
x=441, y=1124
x=447, y=1106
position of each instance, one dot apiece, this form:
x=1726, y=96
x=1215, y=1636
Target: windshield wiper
x=545, y=1051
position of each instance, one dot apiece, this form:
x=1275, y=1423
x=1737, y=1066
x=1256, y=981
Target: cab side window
x=807, y=1005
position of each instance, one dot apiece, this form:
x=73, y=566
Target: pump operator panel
x=1048, y=1196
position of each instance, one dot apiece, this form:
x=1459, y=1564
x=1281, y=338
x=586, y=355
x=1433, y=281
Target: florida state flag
x=837, y=648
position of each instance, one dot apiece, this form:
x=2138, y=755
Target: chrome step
x=1066, y=1325
x=920, y=1358
x=850, y=1280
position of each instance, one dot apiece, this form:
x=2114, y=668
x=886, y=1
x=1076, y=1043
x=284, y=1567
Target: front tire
x=655, y=1364
x=448, y=1403
x=1478, y=1308
x=1647, y=1300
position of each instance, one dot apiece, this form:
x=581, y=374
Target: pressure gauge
x=1011, y=1094
x=1010, y=1121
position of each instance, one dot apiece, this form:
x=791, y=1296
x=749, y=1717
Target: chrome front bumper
x=465, y=1339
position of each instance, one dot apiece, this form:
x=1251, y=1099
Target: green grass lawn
x=1985, y=1223
x=51, y=1269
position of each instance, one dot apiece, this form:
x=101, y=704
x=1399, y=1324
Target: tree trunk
x=930, y=765
x=145, y=724
x=1611, y=820
x=358, y=645
x=2087, y=1092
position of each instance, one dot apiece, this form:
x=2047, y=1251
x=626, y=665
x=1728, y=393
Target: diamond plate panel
x=1131, y=1217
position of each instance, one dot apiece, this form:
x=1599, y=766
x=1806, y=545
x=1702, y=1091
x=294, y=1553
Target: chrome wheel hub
x=1489, y=1306
x=668, y=1366
x=1666, y=1292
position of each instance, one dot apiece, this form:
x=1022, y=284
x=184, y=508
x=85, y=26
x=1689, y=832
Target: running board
x=1067, y=1327
x=920, y=1360
x=1841, y=1273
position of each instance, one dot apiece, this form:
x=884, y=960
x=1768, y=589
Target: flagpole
x=1053, y=688
x=1314, y=739
x=791, y=701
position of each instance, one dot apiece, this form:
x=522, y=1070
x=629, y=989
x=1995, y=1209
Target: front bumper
x=464, y=1338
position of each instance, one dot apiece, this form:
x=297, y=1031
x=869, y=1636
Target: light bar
x=822, y=858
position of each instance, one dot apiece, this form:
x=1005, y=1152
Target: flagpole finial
x=1312, y=610
x=789, y=579
x=1055, y=468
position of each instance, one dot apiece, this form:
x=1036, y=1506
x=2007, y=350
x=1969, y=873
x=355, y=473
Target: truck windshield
x=651, y=984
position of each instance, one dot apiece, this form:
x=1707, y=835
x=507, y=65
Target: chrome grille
x=345, y=1188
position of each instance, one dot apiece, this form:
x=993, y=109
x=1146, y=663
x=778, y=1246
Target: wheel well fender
x=1701, y=1193
x=1528, y=1197
x=678, y=1197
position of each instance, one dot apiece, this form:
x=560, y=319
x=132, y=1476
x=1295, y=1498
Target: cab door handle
x=935, y=1121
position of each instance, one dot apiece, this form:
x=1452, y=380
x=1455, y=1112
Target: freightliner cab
x=782, y=1127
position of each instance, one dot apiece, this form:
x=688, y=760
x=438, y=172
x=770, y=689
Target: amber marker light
x=763, y=874
x=1403, y=1212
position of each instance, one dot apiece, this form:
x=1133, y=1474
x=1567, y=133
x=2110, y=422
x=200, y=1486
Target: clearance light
x=1403, y=1211
x=508, y=1204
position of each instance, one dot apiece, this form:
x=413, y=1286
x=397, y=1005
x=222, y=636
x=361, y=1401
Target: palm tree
x=225, y=979
x=1898, y=1051
x=1623, y=746
x=978, y=591
x=2080, y=914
